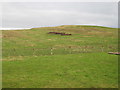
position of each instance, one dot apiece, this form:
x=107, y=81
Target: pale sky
x=59, y=0
x=39, y=14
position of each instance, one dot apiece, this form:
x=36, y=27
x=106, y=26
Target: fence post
x=14, y=52
x=51, y=51
x=33, y=52
x=70, y=49
x=102, y=48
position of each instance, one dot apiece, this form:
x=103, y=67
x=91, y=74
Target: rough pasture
x=77, y=61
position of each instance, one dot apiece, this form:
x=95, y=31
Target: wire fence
x=51, y=51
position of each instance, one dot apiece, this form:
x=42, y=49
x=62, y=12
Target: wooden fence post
x=51, y=51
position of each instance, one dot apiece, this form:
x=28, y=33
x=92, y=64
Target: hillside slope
x=35, y=59
x=83, y=39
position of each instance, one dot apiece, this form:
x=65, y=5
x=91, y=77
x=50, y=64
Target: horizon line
x=54, y=26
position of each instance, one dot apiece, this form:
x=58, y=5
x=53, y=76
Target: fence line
x=49, y=51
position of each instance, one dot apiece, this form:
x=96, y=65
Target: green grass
x=76, y=61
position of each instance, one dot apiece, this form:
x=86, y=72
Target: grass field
x=34, y=59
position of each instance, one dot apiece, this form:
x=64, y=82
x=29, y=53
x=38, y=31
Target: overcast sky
x=37, y=14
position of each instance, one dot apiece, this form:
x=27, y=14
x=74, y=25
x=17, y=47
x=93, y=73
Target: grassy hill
x=35, y=59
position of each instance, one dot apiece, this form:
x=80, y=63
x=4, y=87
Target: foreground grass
x=79, y=60
x=90, y=70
